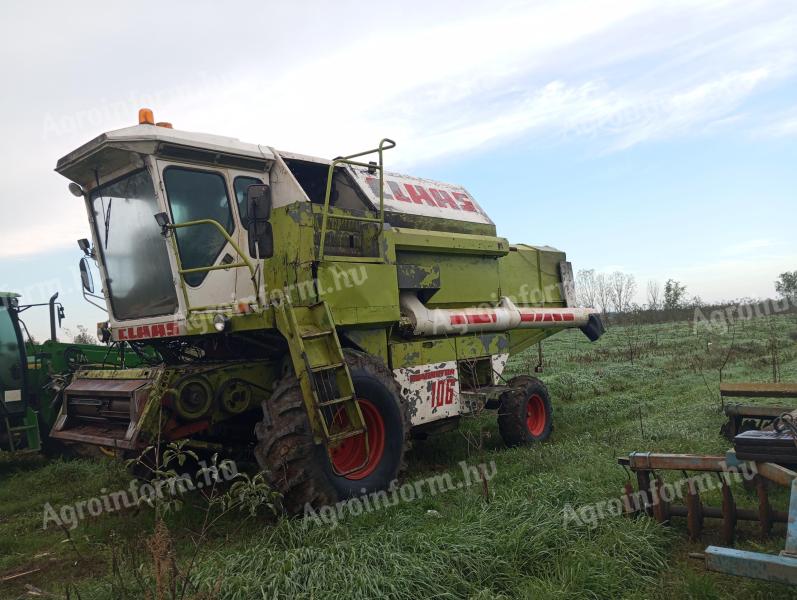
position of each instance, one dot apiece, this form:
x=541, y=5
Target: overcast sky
x=653, y=137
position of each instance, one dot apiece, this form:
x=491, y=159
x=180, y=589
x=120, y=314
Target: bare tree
x=603, y=293
x=622, y=288
x=587, y=291
x=83, y=336
x=654, y=295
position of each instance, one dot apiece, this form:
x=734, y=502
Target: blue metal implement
x=756, y=565
x=780, y=568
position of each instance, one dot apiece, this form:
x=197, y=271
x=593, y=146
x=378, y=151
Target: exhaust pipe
x=505, y=316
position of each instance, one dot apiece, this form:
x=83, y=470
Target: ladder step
x=335, y=401
x=326, y=367
x=22, y=428
x=339, y=437
x=311, y=335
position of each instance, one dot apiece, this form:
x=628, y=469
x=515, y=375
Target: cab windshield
x=134, y=252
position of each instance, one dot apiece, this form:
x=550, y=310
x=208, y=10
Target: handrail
x=244, y=262
x=383, y=145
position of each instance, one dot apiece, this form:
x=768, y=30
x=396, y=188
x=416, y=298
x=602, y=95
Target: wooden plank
x=756, y=410
x=758, y=390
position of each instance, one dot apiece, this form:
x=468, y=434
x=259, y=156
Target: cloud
x=748, y=247
x=443, y=80
x=562, y=70
x=780, y=125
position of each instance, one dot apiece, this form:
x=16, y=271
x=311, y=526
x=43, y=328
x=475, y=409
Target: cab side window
x=239, y=185
x=195, y=195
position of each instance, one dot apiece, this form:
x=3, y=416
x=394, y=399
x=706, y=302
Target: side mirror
x=258, y=202
x=85, y=275
x=85, y=246
x=162, y=219
x=258, y=210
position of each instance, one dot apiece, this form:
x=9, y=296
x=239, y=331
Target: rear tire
x=302, y=471
x=525, y=415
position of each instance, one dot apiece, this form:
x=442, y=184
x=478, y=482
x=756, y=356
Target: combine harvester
x=315, y=313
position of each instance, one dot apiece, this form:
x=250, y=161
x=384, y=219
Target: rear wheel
x=304, y=472
x=525, y=415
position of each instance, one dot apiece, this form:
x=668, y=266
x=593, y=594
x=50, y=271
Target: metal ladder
x=323, y=374
x=29, y=427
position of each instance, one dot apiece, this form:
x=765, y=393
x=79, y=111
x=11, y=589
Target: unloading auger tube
x=504, y=317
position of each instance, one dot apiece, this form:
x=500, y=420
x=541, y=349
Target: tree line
x=616, y=293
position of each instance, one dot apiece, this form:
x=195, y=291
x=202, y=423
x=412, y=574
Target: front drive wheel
x=302, y=471
x=525, y=415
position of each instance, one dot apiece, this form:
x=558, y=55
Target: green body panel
x=531, y=276
x=423, y=223
x=520, y=339
x=363, y=294
x=481, y=345
x=372, y=341
x=423, y=352
x=465, y=280
x=418, y=277
x=290, y=271
x=437, y=242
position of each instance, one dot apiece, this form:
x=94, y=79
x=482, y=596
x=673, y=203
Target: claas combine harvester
x=315, y=313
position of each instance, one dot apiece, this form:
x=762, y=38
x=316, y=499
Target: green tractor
x=33, y=374
x=315, y=314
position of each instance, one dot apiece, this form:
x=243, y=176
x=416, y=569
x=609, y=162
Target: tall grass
x=515, y=546
x=658, y=393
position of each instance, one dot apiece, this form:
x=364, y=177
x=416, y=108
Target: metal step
x=322, y=368
x=335, y=401
x=312, y=335
x=339, y=437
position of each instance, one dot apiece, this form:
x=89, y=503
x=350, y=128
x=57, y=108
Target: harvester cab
x=313, y=311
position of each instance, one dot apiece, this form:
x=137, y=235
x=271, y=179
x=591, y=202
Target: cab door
x=13, y=401
x=240, y=181
x=194, y=193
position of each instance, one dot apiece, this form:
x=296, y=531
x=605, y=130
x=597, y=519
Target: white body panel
x=432, y=391
x=499, y=364
x=425, y=197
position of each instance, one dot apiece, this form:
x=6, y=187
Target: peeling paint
x=431, y=391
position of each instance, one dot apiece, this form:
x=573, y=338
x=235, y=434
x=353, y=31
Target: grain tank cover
x=422, y=197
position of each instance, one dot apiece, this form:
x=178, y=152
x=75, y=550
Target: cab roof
x=115, y=152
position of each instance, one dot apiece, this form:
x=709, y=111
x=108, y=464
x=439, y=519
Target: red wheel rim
x=350, y=453
x=535, y=415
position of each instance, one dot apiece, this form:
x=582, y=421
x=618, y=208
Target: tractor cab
x=18, y=423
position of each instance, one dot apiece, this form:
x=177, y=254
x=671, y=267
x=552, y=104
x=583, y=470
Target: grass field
x=651, y=387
